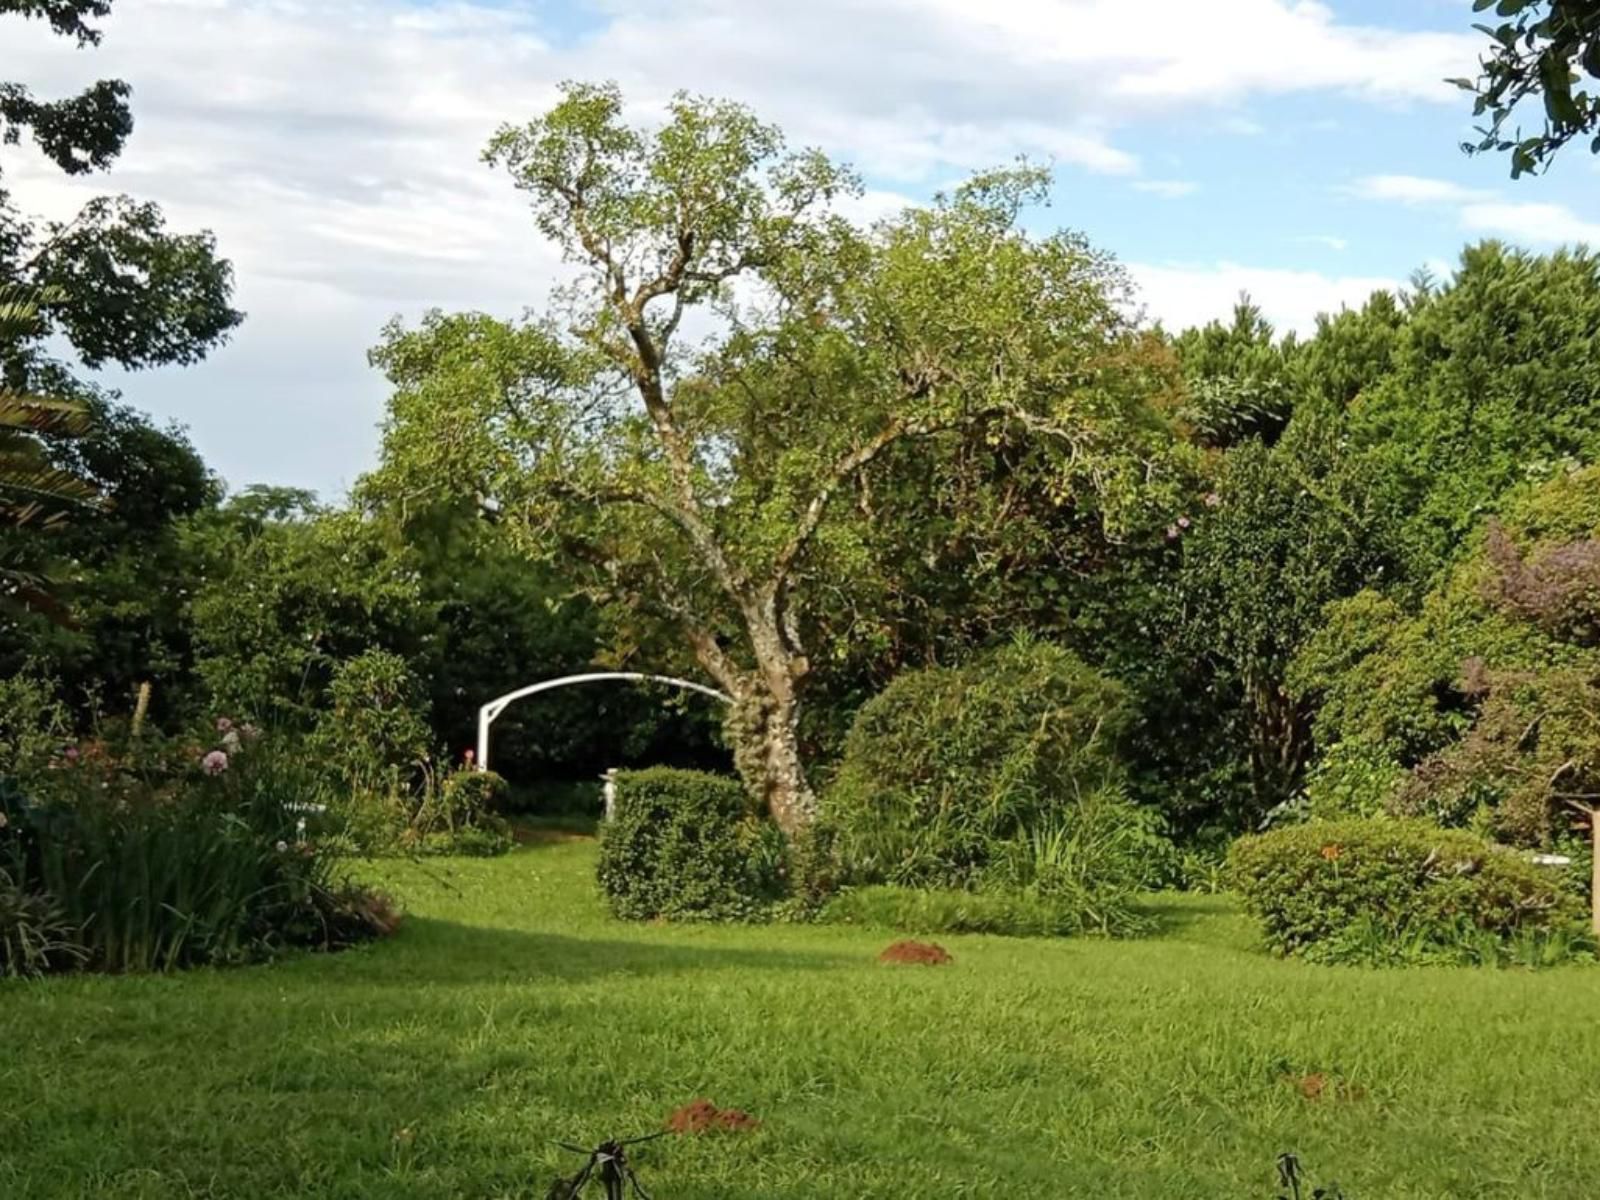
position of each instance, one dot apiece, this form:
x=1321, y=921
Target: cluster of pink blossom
x=215, y=762
x=1175, y=530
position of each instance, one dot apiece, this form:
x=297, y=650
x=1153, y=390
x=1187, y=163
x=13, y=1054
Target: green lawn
x=511, y=1011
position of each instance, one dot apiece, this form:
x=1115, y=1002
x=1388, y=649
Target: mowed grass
x=511, y=1011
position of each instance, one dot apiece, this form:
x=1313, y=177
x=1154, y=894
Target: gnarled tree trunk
x=764, y=732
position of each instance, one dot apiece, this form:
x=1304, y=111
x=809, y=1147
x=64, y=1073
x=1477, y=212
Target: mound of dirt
x=1318, y=1086
x=929, y=954
x=702, y=1116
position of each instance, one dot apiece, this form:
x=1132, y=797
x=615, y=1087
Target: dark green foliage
x=69, y=18
x=1325, y=888
x=1281, y=534
x=468, y=795
x=34, y=724
x=947, y=764
x=1494, y=381
x=460, y=815
x=85, y=132
x=1547, y=52
x=125, y=289
x=499, y=622
x=137, y=295
x=686, y=845
x=285, y=602
x=1531, y=756
x=123, y=571
x=1236, y=379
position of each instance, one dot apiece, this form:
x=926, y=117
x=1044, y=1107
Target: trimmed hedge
x=1320, y=887
x=685, y=845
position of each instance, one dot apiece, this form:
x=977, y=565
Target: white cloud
x=1172, y=189
x=1534, y=223
x=1413, y=189
x=1184, y=294
x=1328, y=240
x=1178, y=50
x=333, y=144
x=1531, y=223
x=1242, y=126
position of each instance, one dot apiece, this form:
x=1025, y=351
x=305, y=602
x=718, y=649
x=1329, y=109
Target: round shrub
x=1322, y=887
x=945, y=765
x=687, y=845
x=465, y=799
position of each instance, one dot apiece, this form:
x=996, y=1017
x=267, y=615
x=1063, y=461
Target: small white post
x=609, y=791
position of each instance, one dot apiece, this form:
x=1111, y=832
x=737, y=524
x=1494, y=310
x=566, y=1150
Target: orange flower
x=1331, y=853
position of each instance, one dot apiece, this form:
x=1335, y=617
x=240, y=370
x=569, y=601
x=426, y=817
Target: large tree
x=115, y=286
x=123, y=288
x=699, y=416
x=1546, y=52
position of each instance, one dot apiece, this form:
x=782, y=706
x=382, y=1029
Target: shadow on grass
x=528, y=830
x=440, y=951
x=1207, y=920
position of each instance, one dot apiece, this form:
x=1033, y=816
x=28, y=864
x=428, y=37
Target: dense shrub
x=1457, y=707
x=466, y=797
x=686, y=845
x=1534, y=746
x=946, y=764
x=33, y=722
x=453, y=815
x=168, y=854
x=1328, y=889
x=375, y=731
x=456, y=815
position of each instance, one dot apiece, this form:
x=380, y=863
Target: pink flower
x=214, y=763
x=1183, y=522
x=1172, y=532
x=224, y=725
x=71, y=754
x=1212, y=499
x=469, y=756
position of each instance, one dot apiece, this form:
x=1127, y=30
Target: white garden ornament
x=491, y=710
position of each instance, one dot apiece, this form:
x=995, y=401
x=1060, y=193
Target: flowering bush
x=167, y=853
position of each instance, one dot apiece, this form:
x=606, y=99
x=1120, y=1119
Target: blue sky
x=1305, y=152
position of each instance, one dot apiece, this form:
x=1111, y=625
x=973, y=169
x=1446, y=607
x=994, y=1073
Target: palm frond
x=19, y=309
x=46, y=415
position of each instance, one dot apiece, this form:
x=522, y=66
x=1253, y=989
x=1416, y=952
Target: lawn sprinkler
x=608, y=1163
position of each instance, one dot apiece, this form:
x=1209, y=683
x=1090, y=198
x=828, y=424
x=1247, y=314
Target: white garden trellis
x=491, y=710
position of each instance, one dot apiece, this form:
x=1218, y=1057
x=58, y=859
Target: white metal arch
x=491, y=710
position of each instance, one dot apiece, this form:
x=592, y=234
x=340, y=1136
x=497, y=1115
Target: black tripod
x=610, y=1159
